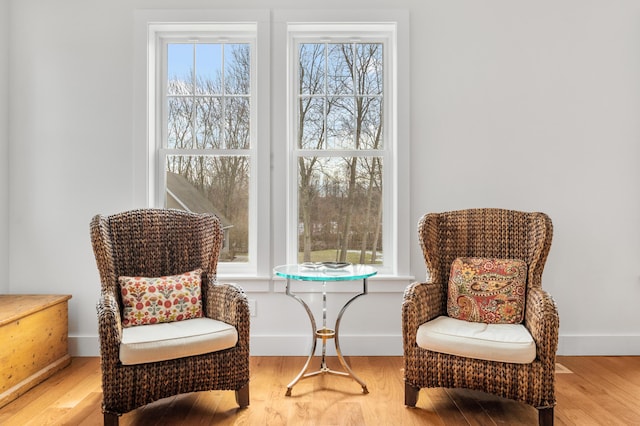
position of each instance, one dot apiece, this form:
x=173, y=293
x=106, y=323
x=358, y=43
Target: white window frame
x=390, y=28
x=272, y=195
x=161, y=27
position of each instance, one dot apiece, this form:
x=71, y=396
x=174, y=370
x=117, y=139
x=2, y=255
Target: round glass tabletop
x=325, y=271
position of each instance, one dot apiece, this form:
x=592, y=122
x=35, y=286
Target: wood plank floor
x=590, y=391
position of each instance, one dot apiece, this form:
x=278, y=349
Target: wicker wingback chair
x=155, y=243
x=494, y=233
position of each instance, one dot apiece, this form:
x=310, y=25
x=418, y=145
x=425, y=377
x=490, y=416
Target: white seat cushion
x=163, y=341
x=492, y=342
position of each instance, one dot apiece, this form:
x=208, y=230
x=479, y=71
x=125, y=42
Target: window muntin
x=340, y=150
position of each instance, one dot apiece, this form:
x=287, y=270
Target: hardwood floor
x=590, y=391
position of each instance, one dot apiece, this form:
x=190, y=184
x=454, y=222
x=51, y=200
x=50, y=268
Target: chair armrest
x=542, y=321
x=228, y=303
x=109, y=328
x=421, y=302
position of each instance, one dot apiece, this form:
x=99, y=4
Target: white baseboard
x=598, y=345
x=281, y=345
x=387, y=345
x=349, y=345
x=84, y=346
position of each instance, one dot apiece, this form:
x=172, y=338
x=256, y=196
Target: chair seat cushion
x=163, y=341
x=491, y=342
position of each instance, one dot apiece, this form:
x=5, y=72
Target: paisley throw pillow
x=487, y=290
x=161, y=299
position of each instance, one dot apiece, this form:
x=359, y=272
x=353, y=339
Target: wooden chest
x=33, y=341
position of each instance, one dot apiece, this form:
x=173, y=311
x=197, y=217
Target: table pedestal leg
x=325, y=333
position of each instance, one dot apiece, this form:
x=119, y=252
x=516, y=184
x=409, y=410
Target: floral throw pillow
x=487, y=290
x=161, y=299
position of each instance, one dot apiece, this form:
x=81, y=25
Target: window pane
x=237, y=123
x=371, y=134
x=237, y=69
x=179, y=129
x=214, y=184
x=311, y=69
x=312, y=127
x=208, y=121
x=341, y=123
x=180, y=68
x=340, y=64
x=208, y=68
x=340, y=209
x=369, y=68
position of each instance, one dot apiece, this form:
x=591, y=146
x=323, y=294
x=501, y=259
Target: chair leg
x=545, y=416
x=410, y=395
x=242, y=396
x=111, y=419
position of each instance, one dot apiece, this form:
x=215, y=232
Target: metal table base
x=325, y=334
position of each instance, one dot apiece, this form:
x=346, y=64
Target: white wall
x=4, y=146
x=523, y=105
x=536, y=106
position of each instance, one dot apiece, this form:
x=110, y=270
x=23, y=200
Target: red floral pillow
x=487, y=290
x=162, y=299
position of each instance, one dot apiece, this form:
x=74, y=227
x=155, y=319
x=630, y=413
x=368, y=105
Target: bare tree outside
x=340, y=109
x=339, y=131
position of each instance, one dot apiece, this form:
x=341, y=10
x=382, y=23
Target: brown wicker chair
x=483, y=233
x=153, y=243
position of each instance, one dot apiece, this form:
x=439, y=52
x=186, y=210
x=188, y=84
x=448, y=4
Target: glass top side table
x=324, y=273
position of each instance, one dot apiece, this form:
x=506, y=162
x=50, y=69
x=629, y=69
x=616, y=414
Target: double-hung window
x=204, y=129
x=206, y=154
x=343, y=141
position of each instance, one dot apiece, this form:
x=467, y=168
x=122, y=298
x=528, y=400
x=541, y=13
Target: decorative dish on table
x=311, y=265
x=325, y=265
x=335, y=265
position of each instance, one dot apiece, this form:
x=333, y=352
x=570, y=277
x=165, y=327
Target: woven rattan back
x=153, y=243
x=499, y=233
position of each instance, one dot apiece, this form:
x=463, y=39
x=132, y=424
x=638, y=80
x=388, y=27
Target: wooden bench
x=33, y=341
